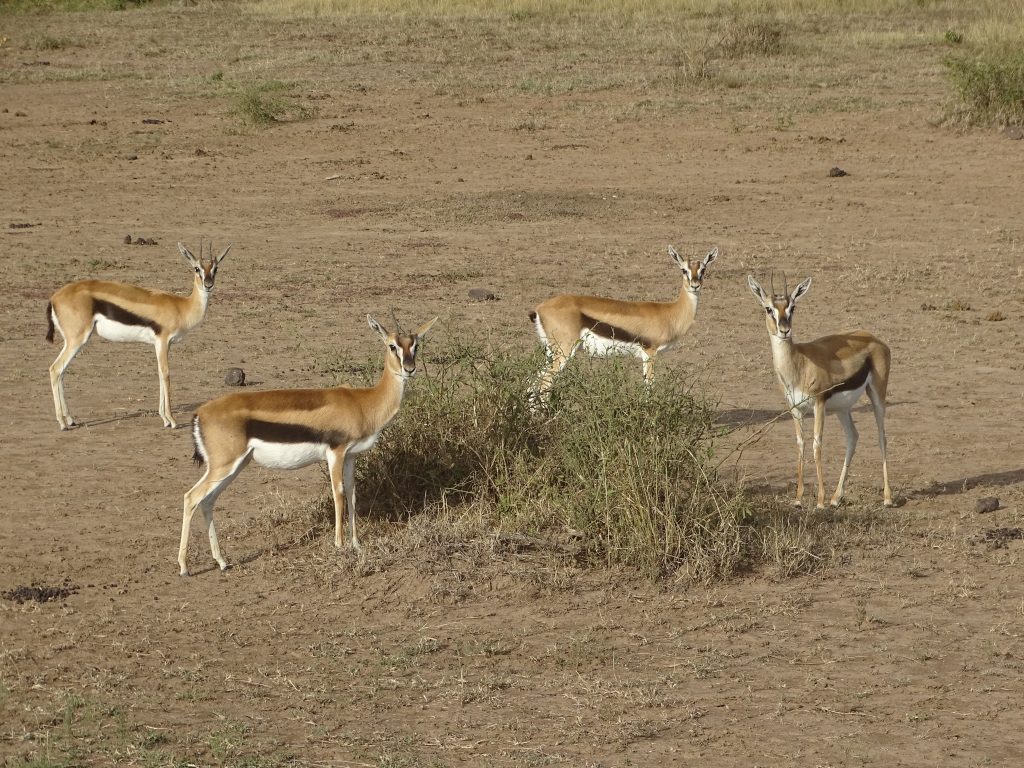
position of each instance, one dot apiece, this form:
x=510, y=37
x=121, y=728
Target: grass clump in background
x=990, y=85
x=263, y=104
x=625, y=473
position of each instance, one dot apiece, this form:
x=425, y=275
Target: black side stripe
x=854, y=382
x=277, y=432
x=49, y=322
x=120, y=315
x=615, y=333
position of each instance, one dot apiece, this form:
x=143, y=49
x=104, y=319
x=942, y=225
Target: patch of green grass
x=990, y=85
x=263, y=104
x=752, y=36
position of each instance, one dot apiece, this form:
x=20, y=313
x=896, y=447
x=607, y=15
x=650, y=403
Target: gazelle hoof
x=798, y=504
x=890, y=503
x=184, y=572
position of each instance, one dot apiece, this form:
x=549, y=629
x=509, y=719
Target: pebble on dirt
x=986, y=504
x=836, y=172
x=234, y=377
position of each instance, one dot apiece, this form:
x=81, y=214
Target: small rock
x=482, y=294
x=141, y=241
x=836, y=172
x=131, y=157
x=986, y=504
x=127, y=239
x=529, y=156
x=1014, y=132
x=152, y=121
x=234, y=377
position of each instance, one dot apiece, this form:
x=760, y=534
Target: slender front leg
x=163, y=370
x=57, y=369
x=541, y=391
x=798, y=423
x=846, y=419
x=648, y=359
x=350, y=487
x=819, y=428
x=335, y=466
x=879, y=406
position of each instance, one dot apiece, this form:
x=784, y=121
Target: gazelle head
x=693, y=269
x=778, y=307
x=402, y=347
x=205, y=272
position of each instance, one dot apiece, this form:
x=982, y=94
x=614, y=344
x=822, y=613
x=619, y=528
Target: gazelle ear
x=756, y=289
x=223, y=253
x=421, y=331
x=187, y=254
x=378, y=328
x=711, y=256
x=800, y=290
x=676, y=257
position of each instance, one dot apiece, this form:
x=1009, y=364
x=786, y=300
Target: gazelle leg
x=541, y=390
x=163, y=370
x=846, y=419
x=879, y=406
x=798, y=423
x=648, y=359
x=349, y=474
x=203, y=495
x=57, y=369
x=819, y=428
x=335, y=465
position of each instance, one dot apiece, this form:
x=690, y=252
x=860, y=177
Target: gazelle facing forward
x=292, y=428
x=119, y=312
x=829, y=375
x=604, y=327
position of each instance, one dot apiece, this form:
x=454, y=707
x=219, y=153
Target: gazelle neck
x=784, y=357
x=390, y=387
x=196, y=303
x=686, y=304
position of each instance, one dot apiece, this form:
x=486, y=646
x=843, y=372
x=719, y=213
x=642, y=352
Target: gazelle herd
x=292, y=428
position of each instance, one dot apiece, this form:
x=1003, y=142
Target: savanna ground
x=367, y=162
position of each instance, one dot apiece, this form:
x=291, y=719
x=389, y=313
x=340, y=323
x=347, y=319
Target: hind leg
x=846, y=419
x=878, y=404
x=202, y=496
x=540, y=393
x=72, y=347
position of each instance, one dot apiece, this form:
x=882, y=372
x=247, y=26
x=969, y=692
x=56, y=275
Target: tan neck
x=193, y=307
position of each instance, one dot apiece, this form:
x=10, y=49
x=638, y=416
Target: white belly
x=365, y=444
x=601, y=346
x=841, y=401
x=115, y=331
x=286, y=455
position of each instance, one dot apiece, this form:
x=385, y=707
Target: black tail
x=197, y=455
x=533, y=317
x=49, y=322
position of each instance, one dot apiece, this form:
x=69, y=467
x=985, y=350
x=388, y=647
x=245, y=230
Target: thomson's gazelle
x=119, y=312
x=829, y=375
x=604, y=327
x=292, y=428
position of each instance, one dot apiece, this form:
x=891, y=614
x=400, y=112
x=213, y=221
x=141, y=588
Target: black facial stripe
x=120, y=315
x=608, y=331
x=278, y=432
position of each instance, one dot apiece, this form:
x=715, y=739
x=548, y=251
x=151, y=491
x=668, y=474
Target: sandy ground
x=905, y=652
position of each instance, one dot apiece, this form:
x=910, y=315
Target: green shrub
x=990, y=85
x=626, y=471
x=263, y=104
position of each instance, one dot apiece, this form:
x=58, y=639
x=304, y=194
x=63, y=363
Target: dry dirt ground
x=442, y=157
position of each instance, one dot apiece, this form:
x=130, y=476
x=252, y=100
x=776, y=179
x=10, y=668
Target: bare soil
x=423, y=174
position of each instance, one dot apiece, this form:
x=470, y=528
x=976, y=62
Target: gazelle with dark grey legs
x=292, y=428
x=603, y=327
x=827, y=375
x=119, y=312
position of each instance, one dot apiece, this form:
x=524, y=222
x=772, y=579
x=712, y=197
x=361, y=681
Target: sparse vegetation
x=990, y=84
x=263, y=104
x=629, y=473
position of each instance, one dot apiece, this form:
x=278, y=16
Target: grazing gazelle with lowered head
x=603, y=327
x=827, y=375
x=292, y=428
x=119, y=312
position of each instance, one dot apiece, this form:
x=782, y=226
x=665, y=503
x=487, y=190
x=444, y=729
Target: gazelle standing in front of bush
x=829, y=375
x=292, y=428
x=603, y=327
x=119, y=312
